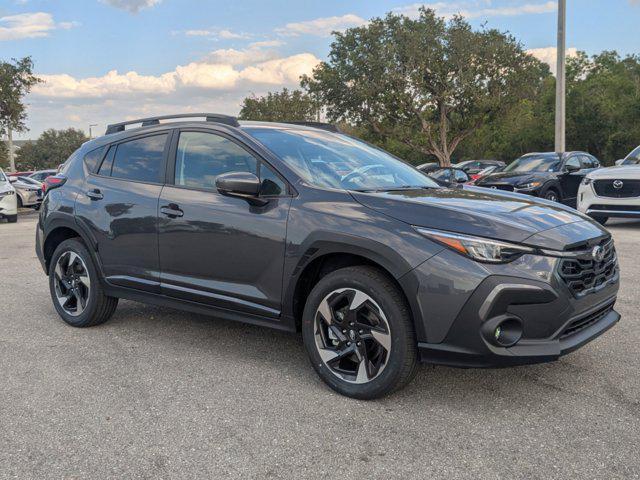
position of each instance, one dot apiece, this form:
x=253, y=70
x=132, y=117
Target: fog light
x=503, y=331
x=497, y=333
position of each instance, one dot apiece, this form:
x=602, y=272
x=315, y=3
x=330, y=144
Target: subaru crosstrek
x=301, y=227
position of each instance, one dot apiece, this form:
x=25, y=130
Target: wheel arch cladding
x=317, y=265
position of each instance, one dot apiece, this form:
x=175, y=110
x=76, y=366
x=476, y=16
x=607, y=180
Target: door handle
x=95, y=194
x=172, y=210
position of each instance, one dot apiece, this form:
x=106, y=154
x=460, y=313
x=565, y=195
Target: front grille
x=626, y=188
x=584, y=274
x=506, y=188
x=620, y=208
x=585, y=322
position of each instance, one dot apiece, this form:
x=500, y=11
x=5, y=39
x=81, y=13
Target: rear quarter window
x=93, y=159
x=140, y=160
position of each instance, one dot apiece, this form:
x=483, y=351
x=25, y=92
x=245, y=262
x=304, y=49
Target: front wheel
x=358, y=333
x=551, y=195
x=75, y=288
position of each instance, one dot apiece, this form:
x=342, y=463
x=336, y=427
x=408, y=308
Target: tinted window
x=575, y=161
x=535, y=163
x=140, y=159
x=201, y=157
x=443, y=174
x=107, y=163
x=93, y=159
x=461, y=176
x=271, y=185
x=633, y=158
x=589, y=162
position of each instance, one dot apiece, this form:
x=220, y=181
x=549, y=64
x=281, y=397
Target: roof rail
x=329, y=127
x=146, y=122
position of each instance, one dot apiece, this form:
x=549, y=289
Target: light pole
x=91, y=131
x=561, y=77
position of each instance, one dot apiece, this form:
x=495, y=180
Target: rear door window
x=140, y=160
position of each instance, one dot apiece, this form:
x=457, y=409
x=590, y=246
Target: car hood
x=515, y=178
x=477, y=211
x=630, y=172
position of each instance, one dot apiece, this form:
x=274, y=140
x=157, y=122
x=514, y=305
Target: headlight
x=477, y=248
x=587, y=181
x=529, y=186
x=7, y=193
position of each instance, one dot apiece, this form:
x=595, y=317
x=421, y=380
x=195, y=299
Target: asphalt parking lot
x=157, y=393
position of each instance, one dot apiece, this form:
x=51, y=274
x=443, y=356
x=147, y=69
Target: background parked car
x=8, y=201
x=29, y=191
x=449, y=176
x=41, y=175
x=632, y=159
x=611, y=192
x=553, y=176
x=428, y=167
x=476, y=166
x=484, y=173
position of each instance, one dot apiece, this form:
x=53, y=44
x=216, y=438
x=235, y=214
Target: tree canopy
x=425, y=83
x=51, y=149
x=280, y=106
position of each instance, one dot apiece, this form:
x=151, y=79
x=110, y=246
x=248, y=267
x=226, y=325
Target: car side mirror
x=242, y=185
x=620, y=162
x=572, y=168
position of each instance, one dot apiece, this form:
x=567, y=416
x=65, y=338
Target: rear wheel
x=12, y=218
x=358, y=333
x=76, y=290
x=19, y=202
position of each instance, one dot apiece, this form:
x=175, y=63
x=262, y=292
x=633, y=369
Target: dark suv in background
x=304, y=228
x=552, y=176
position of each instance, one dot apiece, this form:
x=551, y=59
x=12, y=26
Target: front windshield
x=2, y=177
x=534, y=163
x=633, y=158
x=330, y=160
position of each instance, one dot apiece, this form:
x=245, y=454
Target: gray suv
x=303, y=228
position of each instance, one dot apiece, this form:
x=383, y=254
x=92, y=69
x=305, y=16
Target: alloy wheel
x=352, y=335
x=72, y=283
x=551, y=196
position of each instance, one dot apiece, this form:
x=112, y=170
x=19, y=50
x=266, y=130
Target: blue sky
x=105, y=60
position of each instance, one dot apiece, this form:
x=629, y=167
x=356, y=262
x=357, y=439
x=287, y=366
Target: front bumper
x=462, y=302
x=596, y=206
x=8, y=205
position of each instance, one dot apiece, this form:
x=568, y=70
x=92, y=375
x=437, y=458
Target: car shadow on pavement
x=262, y=349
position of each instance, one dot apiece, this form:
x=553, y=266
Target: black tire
x=99, y=307
x=12, y=218
x=552, y=195
x=19, y=202
x=401, y=363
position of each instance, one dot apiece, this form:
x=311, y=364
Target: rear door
x=216, y=249
x=120, y=208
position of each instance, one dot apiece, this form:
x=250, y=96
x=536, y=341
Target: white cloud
x=267, y=44
x=247, y=56
x=133, y=6
x=230, y=73
x=321, y=27
x=30, y=25
x=474, y=9
x=224, y=34
x=549, y=55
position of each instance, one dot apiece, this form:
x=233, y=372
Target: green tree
x=425, y=83
x=51, y=149
x=280, y=107
x=16, y=80
x=4, y=154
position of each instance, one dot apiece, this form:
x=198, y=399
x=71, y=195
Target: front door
x=570, y=181
x=217, y=249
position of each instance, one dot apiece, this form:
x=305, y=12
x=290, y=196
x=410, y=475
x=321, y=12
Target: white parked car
x=611, y=192
x=8, y=199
